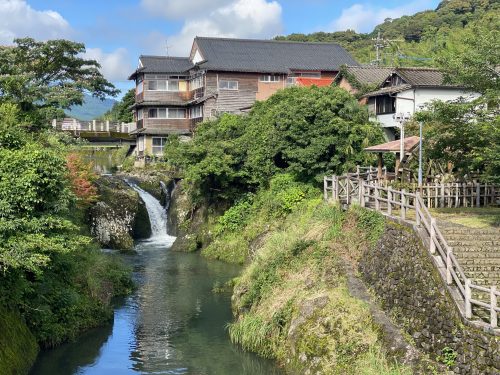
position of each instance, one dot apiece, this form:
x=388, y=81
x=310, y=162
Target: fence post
x=325, y=189
x=54, y=123
x=433, y=236
x=493, y=302
x=449, y=279
x=107, y=125
x=403, y=204
x=335, y=187
x=347, y=190
x=361, y=192
x=417, y=208
x=478, y=194
x=74, y=124
x=441, y=198
x=94, y=126
x=357, y=170
x=377, y=202
x=468, y=307
x=389, y=201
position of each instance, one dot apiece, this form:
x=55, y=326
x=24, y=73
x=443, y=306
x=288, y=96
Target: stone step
x=470, y=232
x=466, y=262
x=474, y=249
x=471, y=236
x=476, y=254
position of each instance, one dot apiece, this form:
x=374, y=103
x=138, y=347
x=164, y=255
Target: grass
x=473, y=217
x=292, y=303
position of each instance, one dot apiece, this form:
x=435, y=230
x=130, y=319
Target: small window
x=176, y=113
x=140, y=114
x=385, y=104
x=153, y=113
x=228, y=85
x=196, y=112
x=269, y=78
x=173, y=85
x=162, y=113
x=159, y=145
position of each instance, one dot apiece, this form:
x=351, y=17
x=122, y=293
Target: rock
x=119, y=216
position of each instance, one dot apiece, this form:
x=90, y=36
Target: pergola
x=410, y=144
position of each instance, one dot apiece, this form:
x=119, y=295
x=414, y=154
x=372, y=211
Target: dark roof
x=163, y=64
x=422, y=76
x=270, y=56
x=395, y=146
x=388, y=90
x=369, y=75
x=159, y=131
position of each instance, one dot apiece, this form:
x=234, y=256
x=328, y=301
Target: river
x=172, y=324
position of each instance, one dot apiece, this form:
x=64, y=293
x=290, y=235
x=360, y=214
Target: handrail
x=353, y=187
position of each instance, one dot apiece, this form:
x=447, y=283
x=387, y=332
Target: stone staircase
x=477, y=251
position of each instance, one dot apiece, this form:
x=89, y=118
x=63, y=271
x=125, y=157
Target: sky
x=117, y=32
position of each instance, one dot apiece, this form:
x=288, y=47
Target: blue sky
x=116, y=32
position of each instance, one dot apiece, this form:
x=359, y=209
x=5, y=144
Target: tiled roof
x=369, y=75
x=388, y=90
x=422, y=76
x=270, y=56
x=163, y=64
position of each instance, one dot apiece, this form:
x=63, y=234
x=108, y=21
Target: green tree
x=121, y=111
x=44, y=78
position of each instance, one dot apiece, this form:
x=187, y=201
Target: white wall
x=413, y=100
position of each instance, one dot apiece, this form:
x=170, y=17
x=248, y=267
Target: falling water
x=157, y=216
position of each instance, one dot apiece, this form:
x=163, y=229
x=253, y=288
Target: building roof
x=422, y=77
x=270, y=56
x=163, y=64
x=410, y=143
x=158, y=131
x=369, y=75
x=388, y=90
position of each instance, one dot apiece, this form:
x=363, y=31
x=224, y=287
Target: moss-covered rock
x=119, y=216
x=18, y=347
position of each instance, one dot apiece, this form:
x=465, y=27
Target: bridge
x=98, y=133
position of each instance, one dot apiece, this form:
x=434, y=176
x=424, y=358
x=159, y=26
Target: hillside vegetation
x=417, y=39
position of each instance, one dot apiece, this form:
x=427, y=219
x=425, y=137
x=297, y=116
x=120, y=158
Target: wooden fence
x=413, y=207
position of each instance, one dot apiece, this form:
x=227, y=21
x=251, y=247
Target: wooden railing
x=413, y=207
x=75, y=125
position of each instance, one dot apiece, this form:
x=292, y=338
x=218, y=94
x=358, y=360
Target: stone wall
x=401, y=274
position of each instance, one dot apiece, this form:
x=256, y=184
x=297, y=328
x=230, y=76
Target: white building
x=406, y=91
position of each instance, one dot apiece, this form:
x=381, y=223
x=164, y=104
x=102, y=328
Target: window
x=140, y=87
x=269, y=78
x=140, y=114
x=158, y=145
x=170, y=113
x=196, y=83
x=228, y=85
x=163, y=85
x=196, y=112
x=385, y=104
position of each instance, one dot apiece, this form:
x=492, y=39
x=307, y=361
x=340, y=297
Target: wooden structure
x=100, y=133
x=412, y=207
x=222, y=75
x=409, y=145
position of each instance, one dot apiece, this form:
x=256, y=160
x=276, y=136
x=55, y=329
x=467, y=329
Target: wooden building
x=222, y=75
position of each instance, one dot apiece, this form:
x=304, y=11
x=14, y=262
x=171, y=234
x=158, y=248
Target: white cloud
x=364, y=17
x=175, y=9
x=115, y=66
x=18, y=20
x=237, y=18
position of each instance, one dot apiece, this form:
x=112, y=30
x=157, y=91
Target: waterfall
x=157, y=216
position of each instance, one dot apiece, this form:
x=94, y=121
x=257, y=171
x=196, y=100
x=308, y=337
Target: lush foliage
x=305, y=132
x=82, y=178
x=466, y=134
x=50, y=272
x=414, y=40
x=44, y=78
x=121, y=110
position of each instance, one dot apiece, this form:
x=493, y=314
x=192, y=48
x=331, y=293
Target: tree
x=475, y=64
x=44, y=78
x=305, y=132
x=121, y=111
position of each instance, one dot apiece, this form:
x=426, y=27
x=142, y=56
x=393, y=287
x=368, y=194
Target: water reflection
x=173, y=324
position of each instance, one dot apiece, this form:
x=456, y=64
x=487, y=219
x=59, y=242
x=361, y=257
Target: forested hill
x=414, y=40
